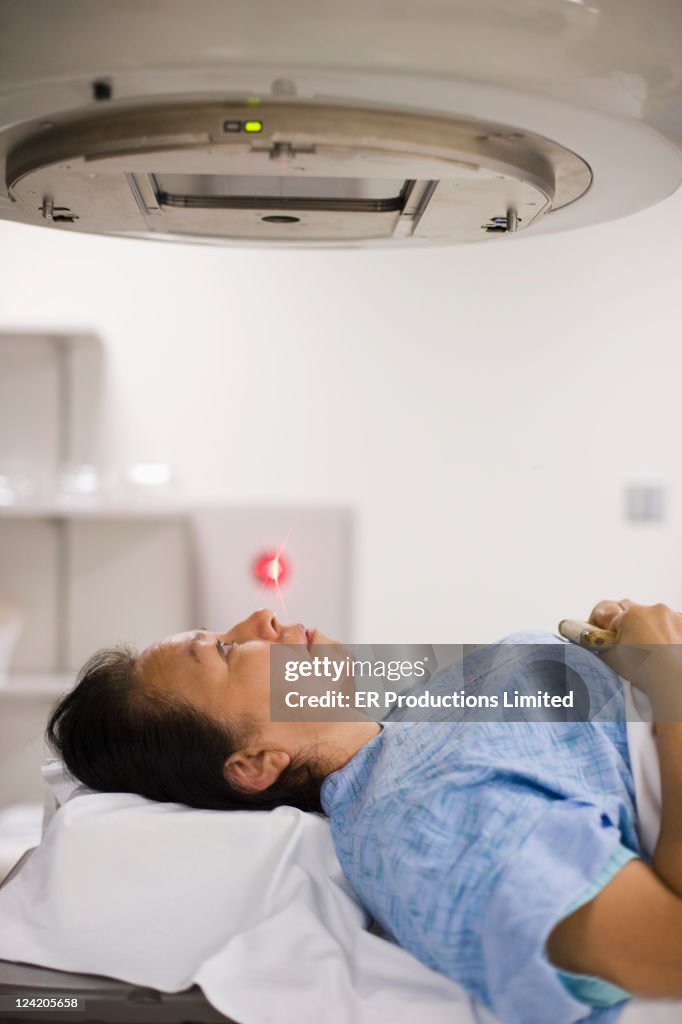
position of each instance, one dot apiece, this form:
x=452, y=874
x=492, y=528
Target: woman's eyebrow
x=192, y=649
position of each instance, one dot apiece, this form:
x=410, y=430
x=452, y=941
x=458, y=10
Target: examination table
x=105, y=999
x=249, y=907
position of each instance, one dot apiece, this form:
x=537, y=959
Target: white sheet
x=251, y=906
x=645, y=768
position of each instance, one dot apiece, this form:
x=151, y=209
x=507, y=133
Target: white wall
x=481, y=407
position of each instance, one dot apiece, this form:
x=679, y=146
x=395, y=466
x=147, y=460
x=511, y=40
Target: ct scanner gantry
x=346, y=122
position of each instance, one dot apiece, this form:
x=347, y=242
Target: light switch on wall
x=645, y=503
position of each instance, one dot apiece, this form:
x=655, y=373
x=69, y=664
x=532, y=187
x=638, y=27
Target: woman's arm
x=631, y=933
x=667, y=861
x=649, y=653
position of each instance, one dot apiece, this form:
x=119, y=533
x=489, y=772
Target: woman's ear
x=255, y=772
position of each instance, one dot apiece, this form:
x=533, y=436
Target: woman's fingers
x=608, y=614
x=617, y=620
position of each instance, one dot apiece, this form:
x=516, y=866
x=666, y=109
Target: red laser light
x=270, y=569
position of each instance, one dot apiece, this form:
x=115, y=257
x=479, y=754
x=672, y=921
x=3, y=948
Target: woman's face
x=226, y=675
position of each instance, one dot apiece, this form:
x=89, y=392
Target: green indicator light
x=253, y=126
x=253, y=101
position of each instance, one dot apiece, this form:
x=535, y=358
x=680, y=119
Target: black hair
x=116, y=736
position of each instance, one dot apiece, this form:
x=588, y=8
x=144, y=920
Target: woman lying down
x=503, y=854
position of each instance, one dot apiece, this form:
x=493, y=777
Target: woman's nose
x=266, y=624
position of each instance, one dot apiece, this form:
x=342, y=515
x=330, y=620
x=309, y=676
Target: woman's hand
x=638, y=623
x=647, y=651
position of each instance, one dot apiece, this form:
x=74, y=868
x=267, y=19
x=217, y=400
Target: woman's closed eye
x=224, y=648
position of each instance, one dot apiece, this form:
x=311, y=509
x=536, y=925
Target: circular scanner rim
x=180, y=169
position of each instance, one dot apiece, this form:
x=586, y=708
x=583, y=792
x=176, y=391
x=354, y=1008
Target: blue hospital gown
x=469, y=840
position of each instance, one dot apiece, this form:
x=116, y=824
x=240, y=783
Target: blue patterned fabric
x=469, y=840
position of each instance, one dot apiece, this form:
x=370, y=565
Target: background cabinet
x=91, y=569
x=92, y=578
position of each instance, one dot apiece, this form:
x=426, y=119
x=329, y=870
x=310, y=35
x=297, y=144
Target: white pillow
x=59, y=787
x=250, y=905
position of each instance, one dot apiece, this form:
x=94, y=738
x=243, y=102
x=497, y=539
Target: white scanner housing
x=337, y=123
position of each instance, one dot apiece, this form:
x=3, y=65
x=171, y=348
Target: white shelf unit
x=36, y=685
x=89, y=573
x=132, y=575
x=51, y=390
x=86, y=581
x=83, y=581
x=63, y=510
x=84, y=572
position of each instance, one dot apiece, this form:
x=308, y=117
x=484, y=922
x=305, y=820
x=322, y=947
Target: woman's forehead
x=162, y=656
